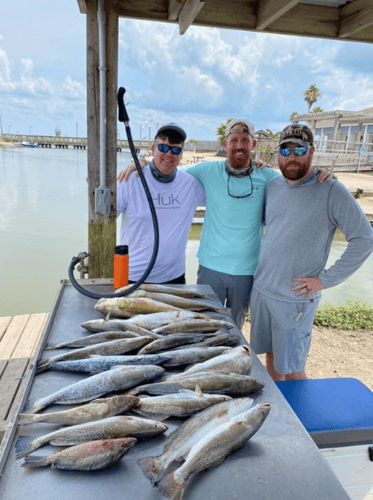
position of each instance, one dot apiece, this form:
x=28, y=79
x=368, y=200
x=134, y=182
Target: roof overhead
x=333, y=19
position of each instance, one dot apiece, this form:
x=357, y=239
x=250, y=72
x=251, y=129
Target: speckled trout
x=108, y=325
x=112, y=347
x=212, y=449
x=95, y=410
x=174, y=290
x=210, y=381
x=108, y=428
x=116, y=379
x=181, y=440
x=121, y=307
x=93, y=455
x=96, y=338
x=236, y=360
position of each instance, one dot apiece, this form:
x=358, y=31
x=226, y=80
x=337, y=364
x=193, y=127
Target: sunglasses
x=164, y=148
x=242, y=195
x=298, y=150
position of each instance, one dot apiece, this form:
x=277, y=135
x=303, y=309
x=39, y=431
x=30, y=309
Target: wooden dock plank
x=28, y=341
x=4, y=323
x=11, y=337
x=10, y=381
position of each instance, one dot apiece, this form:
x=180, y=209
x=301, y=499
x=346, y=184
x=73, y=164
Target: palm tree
x=317, y=110
x=272, y=134
x=311, y=95
x=293, y=117
x=220, y=131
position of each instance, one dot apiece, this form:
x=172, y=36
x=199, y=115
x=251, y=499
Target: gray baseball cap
x=297, y=133
x=247, y=127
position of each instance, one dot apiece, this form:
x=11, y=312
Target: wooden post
x=101, y=228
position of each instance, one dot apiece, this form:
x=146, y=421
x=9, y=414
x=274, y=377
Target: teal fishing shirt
x=232, y=228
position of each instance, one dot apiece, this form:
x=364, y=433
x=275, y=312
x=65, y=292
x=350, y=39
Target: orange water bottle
x=121, y=266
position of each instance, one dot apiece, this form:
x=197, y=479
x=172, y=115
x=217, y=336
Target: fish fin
x=34, y=461
x=152, y=468
x=153, y=416
x=171, y=488
x=107, y=317
x=198, y=391
x=22, y=446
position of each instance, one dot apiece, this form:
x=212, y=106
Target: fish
x=116, y=379
x=184, y=303
x=212, y=449
x=97, y=363
x=181, y=440
x=190, y=355
x=237, y=360
x=155, y=320
x=96, y=338
x=171, y=341
x=95, y=410
x=181, y=404
x=108, y=325
x=223, y=339
x=107, y=428
x=196, y=325
x=92, y=455
x=179, y=291
x=112, y=347
x=210, y=381
x=121, y=307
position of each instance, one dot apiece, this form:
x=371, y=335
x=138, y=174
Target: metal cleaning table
x=280, y=462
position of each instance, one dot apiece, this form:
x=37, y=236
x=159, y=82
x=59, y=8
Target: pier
x=19, y=337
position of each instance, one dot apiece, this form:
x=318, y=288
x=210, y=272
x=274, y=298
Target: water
x=44, y=223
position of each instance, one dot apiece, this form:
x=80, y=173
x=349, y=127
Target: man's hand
x=260, y=164
x=126, y=172
x=308, y=285
x=325, y=175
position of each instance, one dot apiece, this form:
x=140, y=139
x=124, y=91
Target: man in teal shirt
x=232, y=230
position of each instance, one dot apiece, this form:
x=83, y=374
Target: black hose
x=123, y=117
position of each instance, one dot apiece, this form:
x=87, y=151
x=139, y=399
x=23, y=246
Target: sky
x=198, y=79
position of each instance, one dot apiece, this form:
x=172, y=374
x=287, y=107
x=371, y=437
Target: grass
x=348, y=316
x=195, y=232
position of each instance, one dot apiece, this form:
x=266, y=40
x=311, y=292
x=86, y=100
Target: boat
x=29, y=144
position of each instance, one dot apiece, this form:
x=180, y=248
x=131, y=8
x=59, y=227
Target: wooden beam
x=270, y=10
x=4, y=323
x=188, y=14
x=355, y=17
x=12, y=335
x=174, y=8
x=101, y=228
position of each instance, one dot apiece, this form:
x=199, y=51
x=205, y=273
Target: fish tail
x=171, y=488
x=42, y=367
x=23, y=446
x=49, y=346
x=28, y=418
x=32, y=462
x=152, y=469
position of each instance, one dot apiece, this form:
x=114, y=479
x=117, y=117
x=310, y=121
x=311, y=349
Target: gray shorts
x=233, y=291
x=284, y=328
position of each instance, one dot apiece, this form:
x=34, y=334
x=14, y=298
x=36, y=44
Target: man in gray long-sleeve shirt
x=301, y=218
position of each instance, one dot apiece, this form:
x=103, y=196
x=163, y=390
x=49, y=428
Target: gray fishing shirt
x=301, y=220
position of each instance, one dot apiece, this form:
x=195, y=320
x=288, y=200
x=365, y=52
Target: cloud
x=73, y=89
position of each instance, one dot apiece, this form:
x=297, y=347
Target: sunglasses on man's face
x=298, y=150
x=164, y=148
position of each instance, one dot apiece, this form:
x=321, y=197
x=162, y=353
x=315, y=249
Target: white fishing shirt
x=175, y=204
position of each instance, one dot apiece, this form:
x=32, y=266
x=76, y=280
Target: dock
x=19, y=338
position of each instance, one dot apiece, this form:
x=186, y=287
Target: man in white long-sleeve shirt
x=301, y=217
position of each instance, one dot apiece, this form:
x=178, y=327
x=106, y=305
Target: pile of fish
x=136, y=349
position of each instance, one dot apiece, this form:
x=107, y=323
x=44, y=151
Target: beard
x=295, y=171
x=242, y=161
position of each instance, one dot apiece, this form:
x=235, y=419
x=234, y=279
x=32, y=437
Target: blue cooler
x=338, y=414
